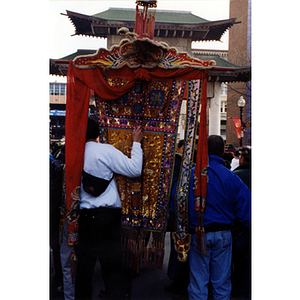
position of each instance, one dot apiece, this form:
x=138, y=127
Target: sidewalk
x=149, y=285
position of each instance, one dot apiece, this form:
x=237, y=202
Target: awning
x=56, y=112
x=59, y=113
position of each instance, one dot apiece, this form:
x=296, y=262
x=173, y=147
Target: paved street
x=149, y=285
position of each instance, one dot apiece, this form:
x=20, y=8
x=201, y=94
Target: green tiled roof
x=161, y=16
x=77, y=53
x=220, y=62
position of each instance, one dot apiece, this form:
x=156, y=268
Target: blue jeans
x=65, y=257
x=215, y=267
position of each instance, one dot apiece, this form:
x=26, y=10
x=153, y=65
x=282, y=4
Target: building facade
x=239, y=53
x=57, y=109
x=57, y=103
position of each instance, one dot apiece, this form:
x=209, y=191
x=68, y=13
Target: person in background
x=54, y=216
x=227, y=157
x=241, y=254
x=178, y=272
x=235, y=161
x=177, y=164
x=244, y=168
x=60, y=159
x=228, y=198
x=59, y=193
x=100, y=216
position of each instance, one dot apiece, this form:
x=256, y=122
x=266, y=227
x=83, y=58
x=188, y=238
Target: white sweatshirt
x=103, y=160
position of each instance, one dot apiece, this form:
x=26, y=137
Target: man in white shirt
x=100, y=216
x=235, y=161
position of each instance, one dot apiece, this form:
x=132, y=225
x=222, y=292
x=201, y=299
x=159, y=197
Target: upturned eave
x=99, y=27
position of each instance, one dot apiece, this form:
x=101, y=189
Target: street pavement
x=149, y=285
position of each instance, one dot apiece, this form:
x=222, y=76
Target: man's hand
x=137, y=134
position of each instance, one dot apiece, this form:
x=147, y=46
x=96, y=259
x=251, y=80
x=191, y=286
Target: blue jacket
x=227, y=197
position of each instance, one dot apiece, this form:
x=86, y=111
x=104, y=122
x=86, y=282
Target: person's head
x=180, y=146
x=228, y=156
x=216, y=145
x=92, y=130
x=244, y=155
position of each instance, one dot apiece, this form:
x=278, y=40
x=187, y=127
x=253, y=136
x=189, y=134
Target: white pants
x=65, y=257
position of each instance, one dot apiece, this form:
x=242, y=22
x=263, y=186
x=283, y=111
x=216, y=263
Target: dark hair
x=228, y=156
x=92, y=130
x=246, y=153
x=180, y=144
x=216, y=145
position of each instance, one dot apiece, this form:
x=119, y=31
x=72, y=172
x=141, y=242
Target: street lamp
x=241, y=104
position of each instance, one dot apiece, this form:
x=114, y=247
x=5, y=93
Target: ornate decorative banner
x=182, y=237
x=154, y=105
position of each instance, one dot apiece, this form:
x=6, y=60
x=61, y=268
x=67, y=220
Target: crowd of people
x=223, y=273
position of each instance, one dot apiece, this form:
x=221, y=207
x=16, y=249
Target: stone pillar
x=214, y=111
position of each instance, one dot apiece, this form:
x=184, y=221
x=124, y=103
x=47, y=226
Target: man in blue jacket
x=228, y=198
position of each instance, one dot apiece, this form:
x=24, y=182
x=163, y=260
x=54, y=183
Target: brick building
x=239, y=53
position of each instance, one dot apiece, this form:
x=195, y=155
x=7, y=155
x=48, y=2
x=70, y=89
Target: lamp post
x=241, y=104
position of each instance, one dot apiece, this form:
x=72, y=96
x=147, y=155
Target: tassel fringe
x=142, y=249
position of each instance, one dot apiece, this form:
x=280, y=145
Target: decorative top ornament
x=145, y=19
x=141, y=52
x=148, y=3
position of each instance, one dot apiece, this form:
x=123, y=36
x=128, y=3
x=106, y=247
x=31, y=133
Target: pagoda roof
x=168, y=23
x=161, y=16
x=59, y=67
x=223, y=71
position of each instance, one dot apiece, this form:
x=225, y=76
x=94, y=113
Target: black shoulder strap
x=95, y=177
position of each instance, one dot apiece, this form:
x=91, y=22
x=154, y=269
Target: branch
x=236, y=90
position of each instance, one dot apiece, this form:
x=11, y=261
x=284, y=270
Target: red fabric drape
x=95, y=78
x=79, y=83
x=75, y=130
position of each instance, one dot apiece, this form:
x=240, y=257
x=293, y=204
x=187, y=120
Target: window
x=223, y=89
x=56, y=89
x=62, y=89
x=223, y=107
x=51, y=89
x=223, y=127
